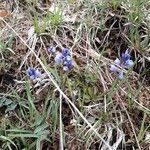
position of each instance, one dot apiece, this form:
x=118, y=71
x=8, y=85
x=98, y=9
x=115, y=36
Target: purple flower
x=51, y=49
x=33, y=73
x=124, y=62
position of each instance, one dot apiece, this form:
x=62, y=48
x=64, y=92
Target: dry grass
x=88, y=107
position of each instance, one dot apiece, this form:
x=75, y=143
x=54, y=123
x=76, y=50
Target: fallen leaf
x=5, y=14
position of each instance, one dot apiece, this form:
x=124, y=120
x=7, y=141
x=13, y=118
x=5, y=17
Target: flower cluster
x=124, y=62
x=65, y=59
x=61, y=58
x=33, y=73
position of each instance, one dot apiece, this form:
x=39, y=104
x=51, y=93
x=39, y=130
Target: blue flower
x=33, y=73
x=125, y=56
x=117, y=61
x=129, y=63
x=51, y=49
x=68, y=64
x=65, y=68
x=68, y=58
x=124, y=62
x=113, y=68
x=120, y=75
x=65, y=59
x=65, y=52
x=59, y=58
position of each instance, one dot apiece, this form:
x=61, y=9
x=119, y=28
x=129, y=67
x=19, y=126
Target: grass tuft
x=87, y=106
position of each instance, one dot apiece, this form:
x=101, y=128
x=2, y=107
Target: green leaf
x=5, y=102
x=10, y=107
x=40, y=128
x=19, y=131
x=7, y=139
x=24, y=135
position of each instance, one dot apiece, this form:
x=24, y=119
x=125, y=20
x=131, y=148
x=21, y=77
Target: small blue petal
x=125, y=56
x=127, y=52
x=38, y=73
x=117, y=61
x=129, y=63
x=65, y=52
x=32, y=77
x=69, y=64
x=33, y=73
x=120, y=76
x=113, y=68
x=30, y=71
x=52, y=49
x=68, y=58
x=65, y=68
x=59, y=58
